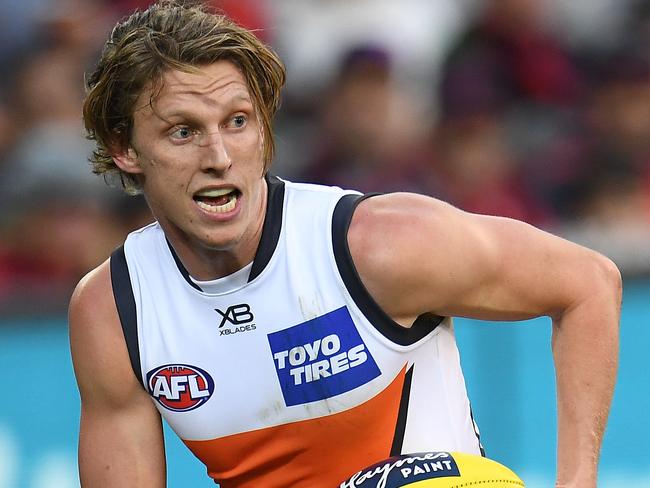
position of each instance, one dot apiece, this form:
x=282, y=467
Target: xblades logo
x=237, y=315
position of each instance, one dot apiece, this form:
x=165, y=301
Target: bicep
x=121, y=446
x=416, y=254
x=120, y=439
x=510, y=270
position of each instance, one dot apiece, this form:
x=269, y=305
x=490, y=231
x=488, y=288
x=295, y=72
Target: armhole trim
x=386, y=326
x=476, y=432
x=400, y=424
x=125, y=302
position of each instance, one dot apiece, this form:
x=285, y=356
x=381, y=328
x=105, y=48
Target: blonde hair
x=171, y=35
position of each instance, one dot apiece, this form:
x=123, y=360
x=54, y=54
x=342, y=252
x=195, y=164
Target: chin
x=219, y=242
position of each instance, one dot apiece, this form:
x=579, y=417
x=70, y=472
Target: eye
x=238, y=121
x=181, y=133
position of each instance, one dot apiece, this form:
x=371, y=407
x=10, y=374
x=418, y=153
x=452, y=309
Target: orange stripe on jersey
x=312, y=453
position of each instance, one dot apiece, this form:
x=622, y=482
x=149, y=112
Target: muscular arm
x=417, y=254
x=120, y=438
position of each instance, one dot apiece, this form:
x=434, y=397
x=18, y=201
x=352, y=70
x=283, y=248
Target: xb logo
x=236, y=315
x=239, y=317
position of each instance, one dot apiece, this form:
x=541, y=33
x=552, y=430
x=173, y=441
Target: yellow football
x=435, y=470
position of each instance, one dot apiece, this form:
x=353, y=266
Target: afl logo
x=180, y=387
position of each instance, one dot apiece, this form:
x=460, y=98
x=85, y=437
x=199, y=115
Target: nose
x=215, y=155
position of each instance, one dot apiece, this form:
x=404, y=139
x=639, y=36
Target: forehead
x=213, y=85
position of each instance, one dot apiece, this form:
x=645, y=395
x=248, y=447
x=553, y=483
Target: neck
x=207, y=264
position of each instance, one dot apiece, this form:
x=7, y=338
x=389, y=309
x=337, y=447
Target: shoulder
x=92, y=298
x=394, y=240
x=99, y=353
x=394, y=228
x=399, y=212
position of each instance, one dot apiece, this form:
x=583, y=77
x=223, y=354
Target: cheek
x=247, y=145
x=167, y=175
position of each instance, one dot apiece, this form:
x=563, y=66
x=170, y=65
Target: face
x=198, y=150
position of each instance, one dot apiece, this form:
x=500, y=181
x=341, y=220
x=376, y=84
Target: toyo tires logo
x=321, y=358
x=180, y=387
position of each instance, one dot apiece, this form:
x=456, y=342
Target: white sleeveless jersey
x=294, y=377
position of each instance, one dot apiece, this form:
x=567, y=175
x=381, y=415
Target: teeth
x=226, y=207
x=214, y=192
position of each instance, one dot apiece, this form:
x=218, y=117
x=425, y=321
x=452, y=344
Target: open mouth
x=217, y=200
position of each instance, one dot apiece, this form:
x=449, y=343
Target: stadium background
x=535, y=109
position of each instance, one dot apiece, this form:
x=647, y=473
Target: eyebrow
x=241, y=96
x=178, y=111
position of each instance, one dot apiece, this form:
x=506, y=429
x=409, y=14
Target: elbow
x=596, y=293
x=608, y=278
x=601, y=287
x=596, y=282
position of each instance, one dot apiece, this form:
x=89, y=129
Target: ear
x=128, y=161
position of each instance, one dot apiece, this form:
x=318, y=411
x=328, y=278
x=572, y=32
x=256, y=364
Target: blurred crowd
x=532, y=109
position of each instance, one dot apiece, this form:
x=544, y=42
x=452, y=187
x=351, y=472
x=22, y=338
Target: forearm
x=585, y=350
